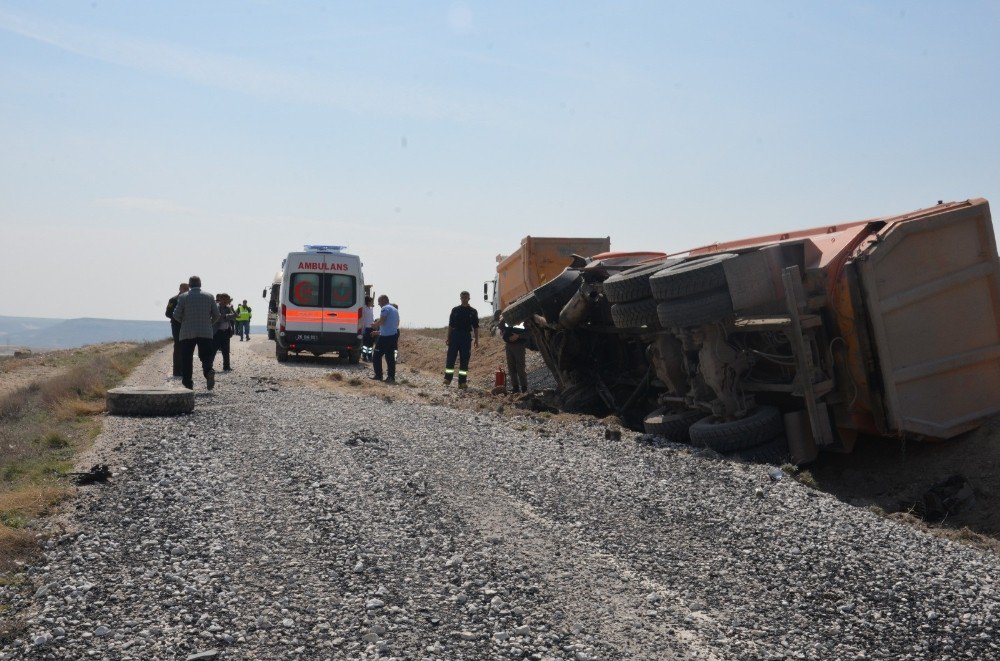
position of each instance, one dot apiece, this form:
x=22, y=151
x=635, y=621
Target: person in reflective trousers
x=463, y=335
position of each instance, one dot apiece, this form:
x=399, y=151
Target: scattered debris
x=948, y=497
x=97, y=473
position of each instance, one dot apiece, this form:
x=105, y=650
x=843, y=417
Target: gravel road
x=283, y=521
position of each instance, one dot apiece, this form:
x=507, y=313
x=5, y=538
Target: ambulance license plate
x=308, y=337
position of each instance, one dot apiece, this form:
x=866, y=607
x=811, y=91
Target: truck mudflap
x=932, y=290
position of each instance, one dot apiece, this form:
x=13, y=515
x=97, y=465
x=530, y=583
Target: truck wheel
x=691, y=277
x=150, y=401
x=672, y=425
x=695, y=310
x=637, y=314
x=521, y=310
x=281, y=353
x=760, y=427
x=354, y=356
x=270, y=334
x=633, y=284
x=773, y=452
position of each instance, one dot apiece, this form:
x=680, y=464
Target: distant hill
x=38, y=333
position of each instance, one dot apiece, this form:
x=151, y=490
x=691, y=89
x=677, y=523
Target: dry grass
x=42, y=426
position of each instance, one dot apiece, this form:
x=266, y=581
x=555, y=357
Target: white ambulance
x=321, y=295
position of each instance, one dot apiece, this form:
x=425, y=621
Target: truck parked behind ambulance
x=320, y=300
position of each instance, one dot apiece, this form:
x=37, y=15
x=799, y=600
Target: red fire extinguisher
x=501, y=378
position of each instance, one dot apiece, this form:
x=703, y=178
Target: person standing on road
x=197, y=312
x=463, y=325
x=175, y=328
x=224, y=329
x=243, y=314
x=367, y=330
x=387, y=328
x=515, y=343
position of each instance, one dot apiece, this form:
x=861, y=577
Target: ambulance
x=321, y=296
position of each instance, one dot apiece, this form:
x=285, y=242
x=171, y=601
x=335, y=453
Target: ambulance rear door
x=340, y=295
x=304, y=307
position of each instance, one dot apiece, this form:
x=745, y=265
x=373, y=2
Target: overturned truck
x=795, y=342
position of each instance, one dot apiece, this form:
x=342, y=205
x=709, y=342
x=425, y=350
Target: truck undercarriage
x=788, y=343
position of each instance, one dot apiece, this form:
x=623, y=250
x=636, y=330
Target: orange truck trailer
x=790, y=343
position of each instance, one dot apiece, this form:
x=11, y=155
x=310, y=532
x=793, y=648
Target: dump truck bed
x=538, y=260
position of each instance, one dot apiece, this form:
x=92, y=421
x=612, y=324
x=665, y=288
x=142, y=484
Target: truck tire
x=760, y=427
x=695, y=310
x=270, y=334
x=773, y=452
x=672, y=425
x=521, y=310
x=354, y=356
x=690, y=277
x=637, y=314
x=633, y=284
x=150, y=401
x=280, y=353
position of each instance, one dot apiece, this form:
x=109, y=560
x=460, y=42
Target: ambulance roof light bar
x=326, y=249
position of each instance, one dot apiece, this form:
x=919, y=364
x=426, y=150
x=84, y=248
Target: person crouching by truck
x=516, y=341
x=463, y=325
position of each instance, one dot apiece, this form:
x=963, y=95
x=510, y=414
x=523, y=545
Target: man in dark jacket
x=463, y=324
x=175, y=329
x=516, y=341
x=197, y=313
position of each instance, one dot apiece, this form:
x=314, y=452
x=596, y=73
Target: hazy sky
x=143, y=142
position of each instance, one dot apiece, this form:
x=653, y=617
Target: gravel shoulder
x=285, y=521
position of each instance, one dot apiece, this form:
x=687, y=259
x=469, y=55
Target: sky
x=145, y=142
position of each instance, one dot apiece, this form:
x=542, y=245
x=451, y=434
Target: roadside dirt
x=882, y=473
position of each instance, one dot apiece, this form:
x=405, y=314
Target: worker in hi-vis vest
x=463, y=325
x=243, y=314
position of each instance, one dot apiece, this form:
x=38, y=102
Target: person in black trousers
x=463, y=326
x=224, y=328
x=175, y=329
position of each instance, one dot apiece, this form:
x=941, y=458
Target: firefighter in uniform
x=463, y=334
